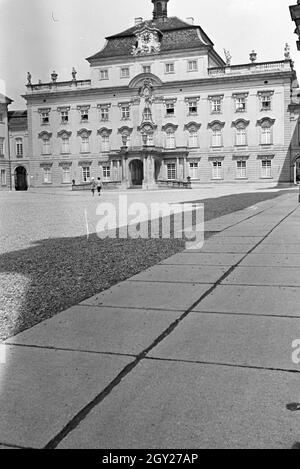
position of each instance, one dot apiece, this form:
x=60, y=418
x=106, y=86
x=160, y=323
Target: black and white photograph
x=149, y=228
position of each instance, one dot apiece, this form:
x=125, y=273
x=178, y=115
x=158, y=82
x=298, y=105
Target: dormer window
x=125, y=72
x=192, y=66
x=169, y=67
x=104, y=74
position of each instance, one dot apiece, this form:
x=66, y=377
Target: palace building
x=162, y=108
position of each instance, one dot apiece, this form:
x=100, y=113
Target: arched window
x=65, y=141
x=192, y=129
x=104, y=139
x=266, y=131
x=170, y=140
x=45, y=139
x=85, y=140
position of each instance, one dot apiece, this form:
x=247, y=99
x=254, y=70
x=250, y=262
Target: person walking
x=93, y=186
x=99, y=186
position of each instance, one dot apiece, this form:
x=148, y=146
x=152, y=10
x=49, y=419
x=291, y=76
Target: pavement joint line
x=11, y=445
x=231, y=365
x=259, y=285
x=84, y=412
x=167, y=310
x=170, y=281
x=233, y=313
x=64, y=349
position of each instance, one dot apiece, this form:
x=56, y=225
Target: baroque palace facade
x=162, y=108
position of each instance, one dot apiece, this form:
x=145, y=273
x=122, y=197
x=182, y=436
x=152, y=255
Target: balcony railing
x=250, y=68
x=60, y=85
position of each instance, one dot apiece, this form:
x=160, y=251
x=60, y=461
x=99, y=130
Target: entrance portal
x=21, y=179
x=137, y=172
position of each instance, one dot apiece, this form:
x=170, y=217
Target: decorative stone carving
x=148, y=41
x=228, y=57
x=287, y=52
x=28, y=78
x=54, y=76
x=74, y=73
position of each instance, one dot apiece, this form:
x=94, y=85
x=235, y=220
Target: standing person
x=99, y=186
x=93, y=186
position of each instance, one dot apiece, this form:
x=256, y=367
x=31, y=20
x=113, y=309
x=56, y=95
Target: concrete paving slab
x=283, y=248
x=41, y=390
x=96, y=329
x=271, y=260
x=204, y=259
x=150, y=295
x=279, y=301
x=185, y=405
x=284, y=276
x=231, y=339
x=230, y=248
x=181, y=274
x=224, y=238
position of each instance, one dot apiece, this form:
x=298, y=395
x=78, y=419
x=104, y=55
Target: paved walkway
x=195, y=352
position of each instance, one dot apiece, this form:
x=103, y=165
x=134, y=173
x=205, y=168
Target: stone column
x=118, y=170
x=177, y=169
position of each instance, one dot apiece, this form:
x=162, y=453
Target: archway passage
x=297, y=171
x=21, y=183
x=137, y=172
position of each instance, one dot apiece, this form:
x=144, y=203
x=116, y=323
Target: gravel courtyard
x=51, y=258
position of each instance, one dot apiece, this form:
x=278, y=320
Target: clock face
x=146, y=38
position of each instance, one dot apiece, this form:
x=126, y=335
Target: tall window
x=1, y=146
x=85, y=144
x=3, y=177
x=105, y=146
x=194, y=170
x=216, y=136
x=217, y=172
x=47, y=175
x=170, y=139
x=125, y=111
x=193, y=138
x=192, y=65
x=266, y=168
x=266, y=131
x=19, y=147
x=106, y=172
x=241, y=135
x=86, y=173
x=1, y=117
x=65, y=146
x=66, y=175
x=241, y=169
x=46, y=145
x=171, y=171
x=169, y=67
x=104, y=74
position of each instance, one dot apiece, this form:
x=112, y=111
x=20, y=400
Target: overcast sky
x=45, y=35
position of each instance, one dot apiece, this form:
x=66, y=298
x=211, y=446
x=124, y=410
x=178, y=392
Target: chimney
x=138, y=21
x=190, y=20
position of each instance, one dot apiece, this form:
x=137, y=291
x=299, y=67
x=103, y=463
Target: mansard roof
x=17, y=119
x=176, y=35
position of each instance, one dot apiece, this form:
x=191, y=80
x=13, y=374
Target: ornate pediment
x=148, y=41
